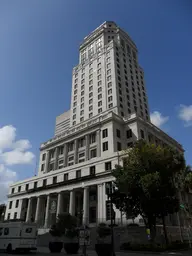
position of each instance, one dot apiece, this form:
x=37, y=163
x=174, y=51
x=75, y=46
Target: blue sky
x=39, y=43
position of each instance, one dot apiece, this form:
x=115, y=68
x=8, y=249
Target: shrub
x=66, y=225
x=103, y=231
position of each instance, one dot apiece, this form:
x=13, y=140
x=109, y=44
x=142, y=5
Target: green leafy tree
x=145, y=183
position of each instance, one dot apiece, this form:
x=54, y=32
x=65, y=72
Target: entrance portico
x=84, y=203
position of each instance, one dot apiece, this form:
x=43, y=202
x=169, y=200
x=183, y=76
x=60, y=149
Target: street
x=43, y=251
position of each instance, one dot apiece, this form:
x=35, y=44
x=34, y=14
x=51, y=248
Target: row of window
x=92, y=171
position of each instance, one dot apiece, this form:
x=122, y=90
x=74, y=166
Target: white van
x=18, y=236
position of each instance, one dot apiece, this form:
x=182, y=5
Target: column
x=101, y=203
x=86, y=147
x=75, y=152
x=56, y=158
x=47, y=211
x=98, y=143
x=59, y=204
x=65, y=154
x=37, y=214
x=29, y=208
x=72, y=202
x=47, y=162
x=86, y=206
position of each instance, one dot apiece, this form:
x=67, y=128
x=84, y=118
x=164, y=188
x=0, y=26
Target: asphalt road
x=45, y=251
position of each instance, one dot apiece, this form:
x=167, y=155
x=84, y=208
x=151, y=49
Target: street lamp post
x=110, y=191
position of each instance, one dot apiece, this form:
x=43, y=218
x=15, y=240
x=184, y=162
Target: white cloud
x=185, y=114
x=17, y=157
x=7, y=136
x=12, y=152
x=6, y=178
x=22, y=145
x=158, y=119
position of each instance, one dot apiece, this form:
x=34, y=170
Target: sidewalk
x=45, y=250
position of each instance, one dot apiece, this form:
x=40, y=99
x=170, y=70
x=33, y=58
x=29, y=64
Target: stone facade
x=76, y=163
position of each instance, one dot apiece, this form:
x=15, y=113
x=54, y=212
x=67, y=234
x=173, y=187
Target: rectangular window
x=90, y=76
x=108, y=59
x=129, y=133
x=93, y=153
x=19, y=189
x=44, y=183
x=142, y=134
x=60, y=164
x=108, y=65
x=15, y=215
x=51, y=166
x=8, y=216
x=99, y=77
x=130, y=144
x=81, y=154
x=99, y=89
x=90, y=114
x=17, y=203
x=78, y=174
x=82, y=105
x=90, y=82
x=27, y=187
x=82, y=93
x=92, y=138
x=110, y=91
x=105, y=146
x=110, y=98
x=90, y=107
x=109, y=72
x=61, y=150
x=108, y=78
x=71, y=146
x=118, y=146
x=107, y=166
x=66, y=176
x=118, y=132
x=81, y=142
x=43, y=157
x=54, y=179
x=99, y=71
x=109, y=84
x=35, y=185
x=92, y=170
x=99, y=96
x=71, y=158
x=90, y=94
x=90, y=88
x=90, y=70
x=99, y=83
x=81, y=160
x=99, y=103
x=99, y=110
x=52, y=153
x=81, y=112
x=82, y=88
x=12, y=190
x=10, y=204
x=82, y=99
x=105, y=133
x=110, y=105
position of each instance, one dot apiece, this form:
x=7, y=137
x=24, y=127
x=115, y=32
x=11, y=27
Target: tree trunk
x=152, y=227
x=165, y=230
